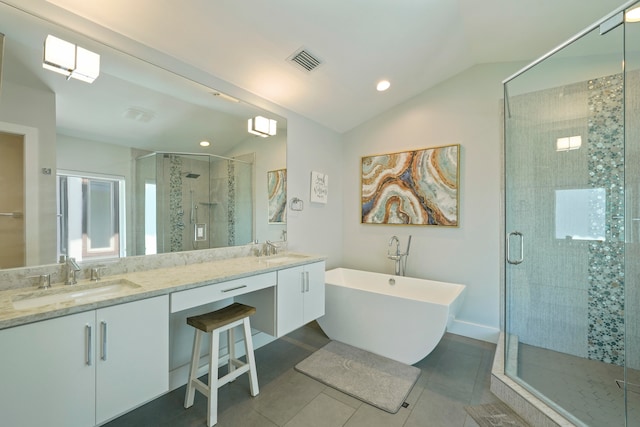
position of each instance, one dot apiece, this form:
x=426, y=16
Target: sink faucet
x=399, y=257
x=44, y=280
x=95, y=273
x=72, y=268
x=271, y=248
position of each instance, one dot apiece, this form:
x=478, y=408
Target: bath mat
x=495, y=414
x=376, y=380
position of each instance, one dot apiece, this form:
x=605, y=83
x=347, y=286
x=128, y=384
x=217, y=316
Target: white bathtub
x=402, y=321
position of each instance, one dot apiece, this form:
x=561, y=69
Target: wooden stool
x=213, y=323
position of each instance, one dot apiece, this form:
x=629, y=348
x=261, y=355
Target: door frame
x=31, y=169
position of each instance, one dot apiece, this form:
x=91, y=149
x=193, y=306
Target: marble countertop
x=146, y=284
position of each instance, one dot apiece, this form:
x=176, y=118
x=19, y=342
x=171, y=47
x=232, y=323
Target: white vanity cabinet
x=131, y=355
x=82, y=369
x=300, y=296
x=44, y=377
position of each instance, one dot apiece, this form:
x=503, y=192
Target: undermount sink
x=283, y=259
x=72, y=294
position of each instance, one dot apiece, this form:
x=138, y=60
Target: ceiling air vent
x=138, y=114
x=304, y=59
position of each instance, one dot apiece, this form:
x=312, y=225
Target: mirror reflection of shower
x=198, y=229
x=195, y=200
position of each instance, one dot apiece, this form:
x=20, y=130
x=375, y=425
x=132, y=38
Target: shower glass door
x=632, y=251
x=565, y=223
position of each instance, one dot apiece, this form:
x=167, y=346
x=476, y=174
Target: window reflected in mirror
x=91, y=221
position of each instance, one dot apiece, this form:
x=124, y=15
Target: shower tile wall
x=605, y=148
x=177, y=196
x=548, y=306
x=632, y=273
x=243, y=199
x=192, y=189
x=231, y=207
x=219, y=197
x=576, y=303
x=176, y=210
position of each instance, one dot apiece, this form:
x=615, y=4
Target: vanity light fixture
x=70, y=60
x=633, y=15
x=568, y=143
x=262, y=126
x=383, y=85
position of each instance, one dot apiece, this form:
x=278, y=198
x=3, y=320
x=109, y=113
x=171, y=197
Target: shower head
x=191, y=175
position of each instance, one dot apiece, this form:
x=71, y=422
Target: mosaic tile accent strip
x=176, y=212
x=606, y=258
x=231, y=205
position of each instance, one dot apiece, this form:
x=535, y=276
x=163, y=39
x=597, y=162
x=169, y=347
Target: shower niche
x=193, y=201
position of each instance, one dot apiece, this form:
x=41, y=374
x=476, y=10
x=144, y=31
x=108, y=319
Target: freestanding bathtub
x=398, y=317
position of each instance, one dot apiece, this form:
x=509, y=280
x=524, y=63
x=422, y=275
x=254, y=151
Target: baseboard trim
x=474, y=330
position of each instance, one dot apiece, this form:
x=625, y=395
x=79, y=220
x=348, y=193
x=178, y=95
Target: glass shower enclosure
x=572, y=225
x=192, y=201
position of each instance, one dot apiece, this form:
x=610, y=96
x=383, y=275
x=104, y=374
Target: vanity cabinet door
x=47, y=373
x=132, y=355
x=289, y=300
x=300, y=296
x=314, y=295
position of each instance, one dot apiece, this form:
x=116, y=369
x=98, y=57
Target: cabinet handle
x=103, y=325
x=234, y=289
x=306, y=276
x=88, y=345
x=302, y=283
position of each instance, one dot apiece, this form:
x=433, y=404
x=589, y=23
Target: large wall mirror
x=115, y=167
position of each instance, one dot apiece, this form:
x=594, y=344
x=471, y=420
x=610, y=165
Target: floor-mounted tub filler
x=401, y=318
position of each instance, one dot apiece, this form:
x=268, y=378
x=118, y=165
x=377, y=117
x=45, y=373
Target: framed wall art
x=319, y=187
x=277, y=191
x=418, y=187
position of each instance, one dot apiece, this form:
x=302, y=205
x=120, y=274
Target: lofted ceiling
x=413, y=43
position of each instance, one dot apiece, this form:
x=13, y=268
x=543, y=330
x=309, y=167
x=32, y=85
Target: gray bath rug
x=376, y=380
x=495, y=414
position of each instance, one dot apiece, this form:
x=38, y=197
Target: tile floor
x=584, y=388
x=454, y=375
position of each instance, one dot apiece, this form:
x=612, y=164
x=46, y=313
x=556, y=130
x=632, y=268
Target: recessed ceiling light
x=383, y=85
x=633, y=15
x=205, y=143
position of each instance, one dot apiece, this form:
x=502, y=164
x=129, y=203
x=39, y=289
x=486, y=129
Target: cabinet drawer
x=210, y=293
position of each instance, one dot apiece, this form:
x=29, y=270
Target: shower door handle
x=521, y=257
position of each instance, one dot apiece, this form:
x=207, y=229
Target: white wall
x=463, y=110
x=35, y=108
x=318, y=228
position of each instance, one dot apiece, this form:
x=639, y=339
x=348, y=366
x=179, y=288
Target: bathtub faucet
x=399, y=257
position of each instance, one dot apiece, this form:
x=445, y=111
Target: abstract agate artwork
x=414, y=187
x=277, y=191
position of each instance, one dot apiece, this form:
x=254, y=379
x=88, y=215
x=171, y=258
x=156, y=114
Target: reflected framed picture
x=277, y=195
x=417, y=187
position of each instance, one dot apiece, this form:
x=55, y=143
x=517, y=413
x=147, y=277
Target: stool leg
x=195, y=357
x=251, y=361
x=212, y=407
x=231, y=345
